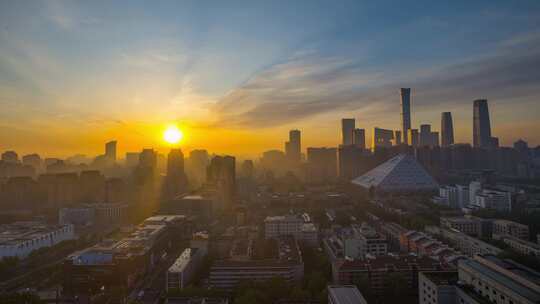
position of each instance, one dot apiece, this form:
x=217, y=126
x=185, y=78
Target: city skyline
x=79, y=75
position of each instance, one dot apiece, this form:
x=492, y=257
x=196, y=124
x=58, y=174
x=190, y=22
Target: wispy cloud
x=311, y=84
x=61, y=14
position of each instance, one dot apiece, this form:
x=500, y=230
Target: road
x=153, y=283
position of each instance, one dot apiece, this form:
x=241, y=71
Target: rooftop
x=183, y=260
x=23, y=231
x=346, y=294
x=400, y=173
x=441, y=278
x=166, y=219
x=502, y=278
x=396, y=262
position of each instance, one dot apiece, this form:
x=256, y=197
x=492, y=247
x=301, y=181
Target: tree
x=277, y=288
x=252, y=296
x=395, y=285
x=299, y=294
x=316, y=283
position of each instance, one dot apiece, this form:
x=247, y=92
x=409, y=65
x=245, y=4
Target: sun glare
x=173, y=135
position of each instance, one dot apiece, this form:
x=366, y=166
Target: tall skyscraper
x=405, y=112
x=412, y=137
x=196, y=167
x=481, y=124
x=347, y=130
x=447, y=129
x=110, y=150
x=425, y=135
x=222, y=173
x=293, y=146
x=321, y=164
x=381, y=138
x=359, y=138
x=176, y=180
x=148, y=158
x=397, y=138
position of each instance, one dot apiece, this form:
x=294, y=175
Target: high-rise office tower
x=321, y=164
x=347, y=130
x=481, y=124
x=176, y=180
x=381, y=138
x=412, y=137
x=175, y=162
x=447, y=129
x=132, y=159
x=397, y=138
x=359, y=138
x=350, y=162
x=425, y=135
x=434, y=139
x=148, y=158
x=196, y=167
x=110, y=150
x=405, y=112
x=293, y=146
x=222, y=173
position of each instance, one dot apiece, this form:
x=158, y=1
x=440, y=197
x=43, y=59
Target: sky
x=237, y=75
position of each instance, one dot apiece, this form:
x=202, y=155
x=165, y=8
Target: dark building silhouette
x=413, y=138
x=351, y=162
x=115, y=191
x=481, y=124
x=359, y=138
x=176, y=180
x=196, y=167
x=222, y=174
x=293, y=148
x=447, y=129
x=132, y=159
x=110, y=151
x=347, y=130
x=405, y=94
x=32, y=160
x=248, y=169
x=92, y=187
x=322, y=164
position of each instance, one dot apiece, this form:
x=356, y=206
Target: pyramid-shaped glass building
x=401, y=173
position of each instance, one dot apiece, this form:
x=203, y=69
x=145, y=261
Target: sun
x=173, y=135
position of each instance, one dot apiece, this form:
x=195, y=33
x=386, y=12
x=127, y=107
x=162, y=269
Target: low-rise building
x=468, y=245
x=19, y=239
x=468, y=224
x=437, y=287
x=510, y=228
x=493, y=199
x=258, y=260
x=93, y=214
x=378, y=270
x=298, y=226
x=196, y=300
x=364, y=240
x=499, y=281
x=181, y=273
x=521, y=246
x=344, y=294
x=118, y=264
x=392, y=232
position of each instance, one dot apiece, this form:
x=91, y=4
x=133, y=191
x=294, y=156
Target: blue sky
x=263, y=65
